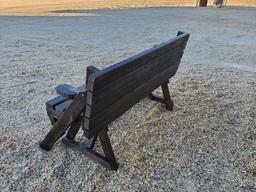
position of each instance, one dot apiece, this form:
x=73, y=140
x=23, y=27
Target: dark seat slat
x=63, y=106
x=55, y=101
x=52, y=103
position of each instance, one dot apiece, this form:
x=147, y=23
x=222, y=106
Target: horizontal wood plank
x=101, y=120
x=152, y=67
x=114, y=90
x=110, y=95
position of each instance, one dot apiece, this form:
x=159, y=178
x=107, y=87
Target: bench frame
x=64, y=123
x=68, y=122
x=109, y=160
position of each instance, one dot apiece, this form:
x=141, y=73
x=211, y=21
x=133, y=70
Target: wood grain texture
x=116, y=89
x=108, y=96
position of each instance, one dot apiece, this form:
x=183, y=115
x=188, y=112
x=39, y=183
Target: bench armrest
x=67, y=91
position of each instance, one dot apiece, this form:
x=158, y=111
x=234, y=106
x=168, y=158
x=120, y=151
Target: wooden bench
x=107, y=94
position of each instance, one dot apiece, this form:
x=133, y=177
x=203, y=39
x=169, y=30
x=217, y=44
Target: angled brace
x=70, y=115
x=166, y=99
x=108, y=161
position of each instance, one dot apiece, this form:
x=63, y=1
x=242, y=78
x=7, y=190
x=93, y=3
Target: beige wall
x=241, y=3
x=44, y=7
x=25, y=3
x=246, y=3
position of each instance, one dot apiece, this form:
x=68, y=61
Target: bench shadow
x=70, y=12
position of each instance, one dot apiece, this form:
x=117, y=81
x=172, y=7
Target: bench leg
x=91, y=142
x=86, y=148
x=74, y=128
x=166, y=99
x=68, y=117
x=107, y=148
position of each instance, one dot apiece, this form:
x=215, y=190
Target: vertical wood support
x=74, y=128
x=107, y=148
x=167, y=98
x=203, y=3
x=52, y=119
x=71, y=114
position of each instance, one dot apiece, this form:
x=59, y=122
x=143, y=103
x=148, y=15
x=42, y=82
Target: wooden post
x=107, y=148
x=86, y=148
x=74, y=128
x=71, y=114
x=167, y=98
x=203, y=3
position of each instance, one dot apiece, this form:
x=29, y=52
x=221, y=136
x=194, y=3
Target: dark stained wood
x=70, y=115
x=167, y=98
x=108, y=94
x=49, y=111
x=74, y=128
x=107, y=148
x=55, y=101
x=52, y=114
x=63, y=106
x=82, y=148
x=130, y=81
x=60, y=99
x=121, y=86
x=203, y=3
x=67, y=91
x=95, y=123
x=180, y=33
x=56, y=107
x=90, y=70
x=86, y=148
x=107, y=97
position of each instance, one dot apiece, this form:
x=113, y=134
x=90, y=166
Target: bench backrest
x=117, y=88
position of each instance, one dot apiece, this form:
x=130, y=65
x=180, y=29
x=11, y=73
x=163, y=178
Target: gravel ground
x=208, y=143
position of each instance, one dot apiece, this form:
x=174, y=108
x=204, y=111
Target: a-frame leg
x=74, y=128
x=166, y=99
x=69, y=116
x=107, y=148
x=108, y=160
